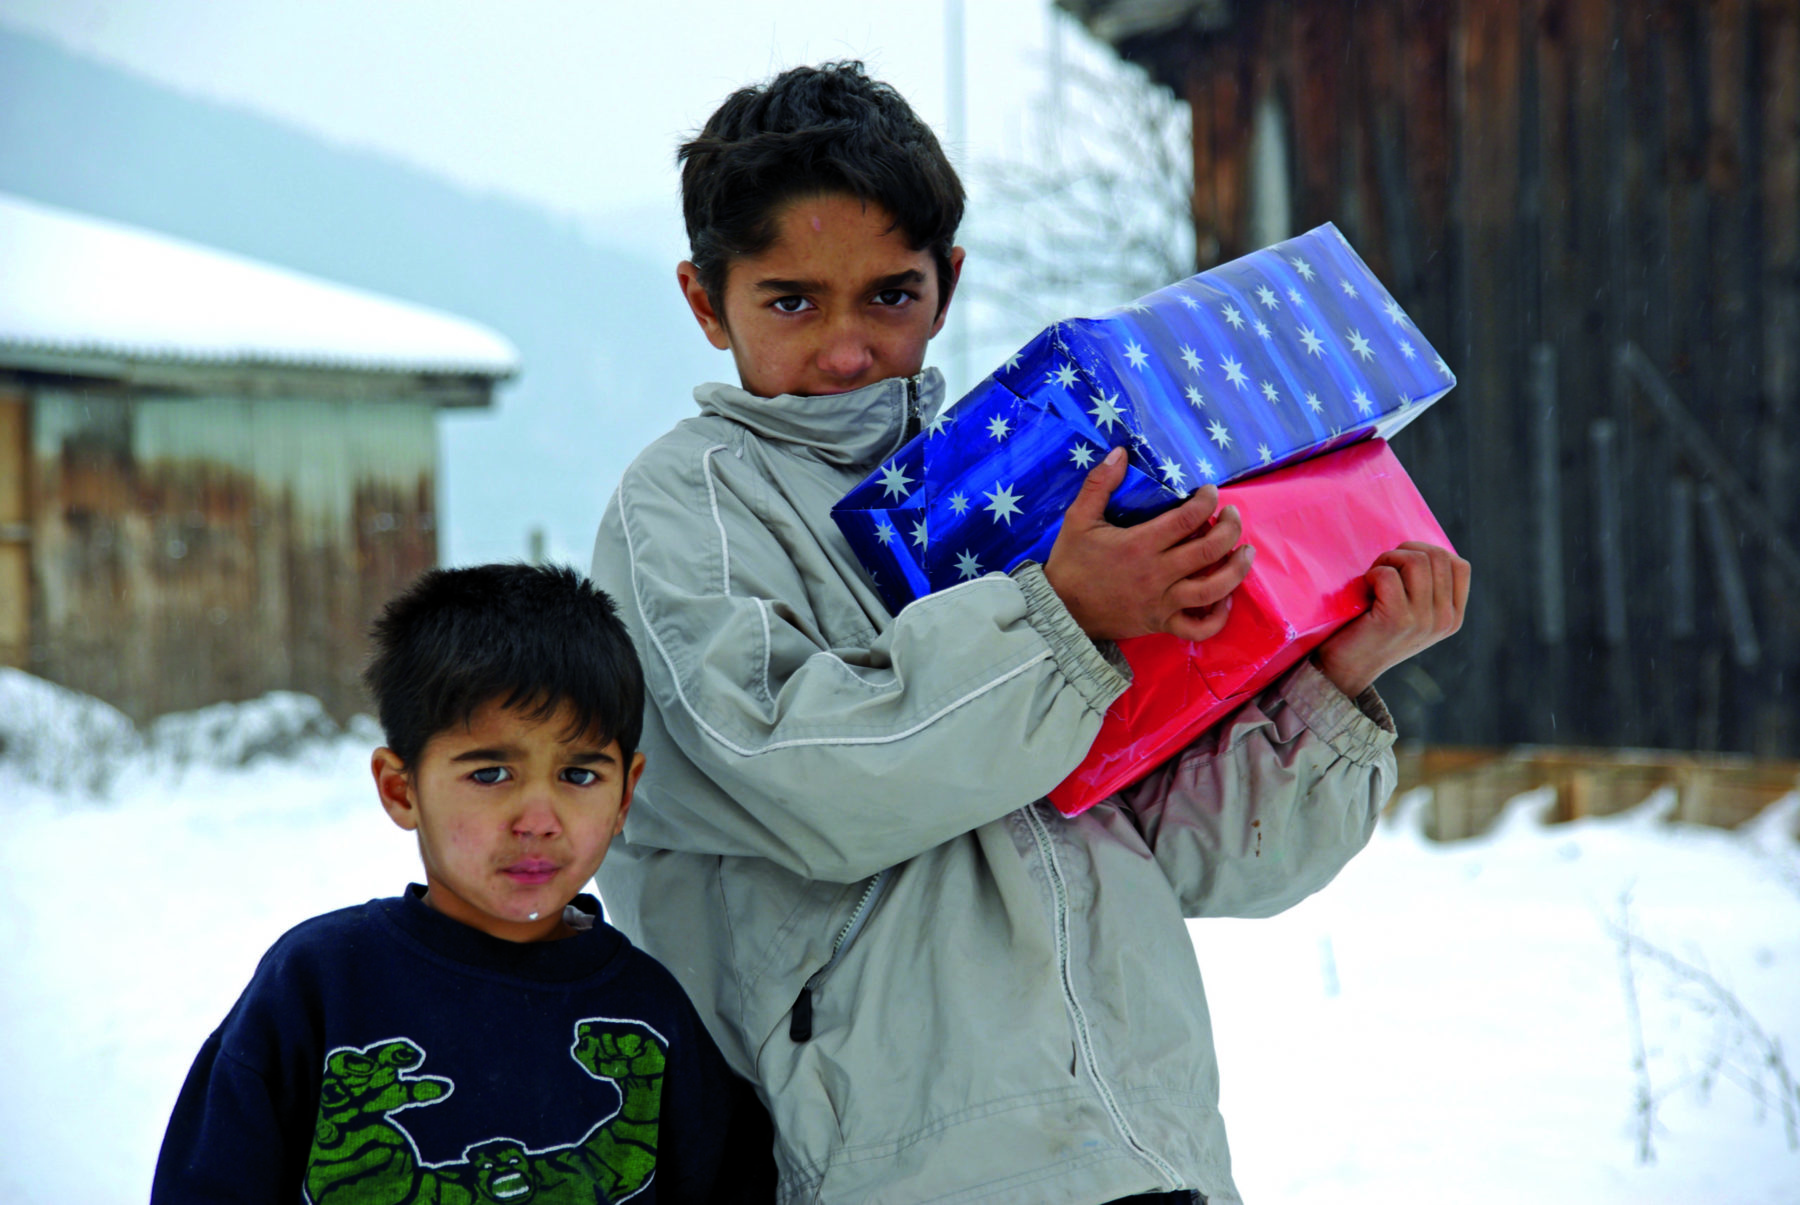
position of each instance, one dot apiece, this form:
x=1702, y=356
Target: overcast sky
x=574, y=104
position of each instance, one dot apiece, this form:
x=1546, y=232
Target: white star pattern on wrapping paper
x=1136, y=355
x=1189, y=302
x=1444, y=368
x=936, y=426
x=999, y=428
x=1262, y=328
x=967, y=566
x=1172, y=473
x=1405, y=401
x=919, y=537
x=1266, y=295
x=1219, y=434
x=1106, y=410
x=1064, y=375
x=1205, y=467
x=1268, y=391
x=1194, y=398
x=1363, y=405
x=959, y=502
x=1349, y=289
x=1314, y=404
x=1190, y=357
x=884, y=532
x=1406, y=349
x=1234, y=372
x=1394, y=311
x=1003, y=503
x=1313, y=343
x=1232, y=316
x=1302, y=267
x=1294, y=296
x=1138, y=307
x=894, y=480
x=1360, y=345
x=1082, y=455
x=1012, y=361
x=1262, y=450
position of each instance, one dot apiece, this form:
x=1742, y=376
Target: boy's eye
x=488, y=776
x=893, y=297
x=580, y=776
x=792, y=304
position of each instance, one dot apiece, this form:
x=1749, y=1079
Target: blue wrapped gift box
x=1270, y=359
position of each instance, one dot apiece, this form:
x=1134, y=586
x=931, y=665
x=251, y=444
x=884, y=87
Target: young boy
x=945, y=990
x=486, y=1037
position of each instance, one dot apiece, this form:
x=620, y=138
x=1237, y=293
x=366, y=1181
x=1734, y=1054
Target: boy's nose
x=536, y=818
x=845, y=354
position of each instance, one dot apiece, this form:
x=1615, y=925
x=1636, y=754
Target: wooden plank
x=15, y=530
x=1547, y=495
x=1216, y=95
x=1723, y=541
x=1315, y=46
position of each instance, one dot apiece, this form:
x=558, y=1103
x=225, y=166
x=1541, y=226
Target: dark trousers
x=1183, y=1197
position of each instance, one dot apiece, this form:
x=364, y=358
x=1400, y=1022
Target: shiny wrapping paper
x=1265, y=362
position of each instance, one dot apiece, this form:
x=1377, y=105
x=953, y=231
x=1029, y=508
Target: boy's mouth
x=531, y=871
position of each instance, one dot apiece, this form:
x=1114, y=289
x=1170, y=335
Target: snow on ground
x=1442, y=1023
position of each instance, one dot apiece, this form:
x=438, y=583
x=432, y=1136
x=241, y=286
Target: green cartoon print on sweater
x=361, y=1157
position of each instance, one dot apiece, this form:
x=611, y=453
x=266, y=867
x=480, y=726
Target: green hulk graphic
x=360, y=1157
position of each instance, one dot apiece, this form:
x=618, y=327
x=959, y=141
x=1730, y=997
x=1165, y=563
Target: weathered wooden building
x=213, y=472
x=1592, y=208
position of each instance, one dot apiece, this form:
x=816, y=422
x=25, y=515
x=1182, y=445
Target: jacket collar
x=852, y=429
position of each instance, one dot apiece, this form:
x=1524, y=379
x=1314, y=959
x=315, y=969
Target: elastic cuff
x=1098, y=671
x=1361, y=730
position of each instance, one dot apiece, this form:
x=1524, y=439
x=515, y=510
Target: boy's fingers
x=1460, y=571
x=1172, y=527
x=1192, y=556
x=1200, y=623
x=1089, y=506
x=1214, y=584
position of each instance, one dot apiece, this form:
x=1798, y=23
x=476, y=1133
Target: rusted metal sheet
x=188, y=550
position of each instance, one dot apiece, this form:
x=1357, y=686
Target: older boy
x=485, y=1037
x=945, y=990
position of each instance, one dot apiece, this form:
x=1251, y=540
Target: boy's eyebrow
x=783, y=287
x=509, y=753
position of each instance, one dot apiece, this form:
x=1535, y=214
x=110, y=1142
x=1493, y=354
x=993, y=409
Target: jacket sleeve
x=835, y=762
x=229, y=1138
x=1265, y=808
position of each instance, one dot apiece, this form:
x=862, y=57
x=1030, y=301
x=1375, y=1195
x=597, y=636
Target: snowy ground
x=1444, y=1023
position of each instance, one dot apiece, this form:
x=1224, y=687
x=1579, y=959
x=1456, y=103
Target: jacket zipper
x=1082, y=1036
x=800, y=1022
x=914, y=421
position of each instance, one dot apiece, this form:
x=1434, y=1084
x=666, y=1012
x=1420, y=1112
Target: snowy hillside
x=1443, y=1023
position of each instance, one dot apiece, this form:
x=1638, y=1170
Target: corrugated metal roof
x=1117, y=21
x=77, y=286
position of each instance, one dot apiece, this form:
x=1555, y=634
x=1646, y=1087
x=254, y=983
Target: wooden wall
x=186, y=550
x=1542, y=184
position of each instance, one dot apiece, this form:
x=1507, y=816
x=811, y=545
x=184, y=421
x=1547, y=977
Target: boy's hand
x=1420, y=593
x=1172, y=574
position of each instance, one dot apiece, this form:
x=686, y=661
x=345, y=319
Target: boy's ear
x=394, y=785
x=694, y=293
x=957, y=255
x=631, y=780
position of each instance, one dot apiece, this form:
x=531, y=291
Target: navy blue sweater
x=386, y=1053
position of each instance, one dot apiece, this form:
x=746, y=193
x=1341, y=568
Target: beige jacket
x=944, y=990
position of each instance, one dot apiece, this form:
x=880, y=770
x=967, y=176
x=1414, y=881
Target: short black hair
x=531, y=637
x=814, y=130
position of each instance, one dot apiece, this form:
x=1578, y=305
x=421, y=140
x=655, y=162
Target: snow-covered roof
x=77, y=286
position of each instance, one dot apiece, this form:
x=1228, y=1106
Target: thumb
x=1089, y=507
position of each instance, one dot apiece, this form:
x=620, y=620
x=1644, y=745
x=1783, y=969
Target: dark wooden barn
x=1592, y=208
x=212, y=472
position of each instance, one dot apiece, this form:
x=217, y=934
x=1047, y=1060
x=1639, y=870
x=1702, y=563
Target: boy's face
x=838, y=301
x=513, y=816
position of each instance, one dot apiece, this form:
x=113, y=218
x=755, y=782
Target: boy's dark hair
x=532, y=638
x=814, y=130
